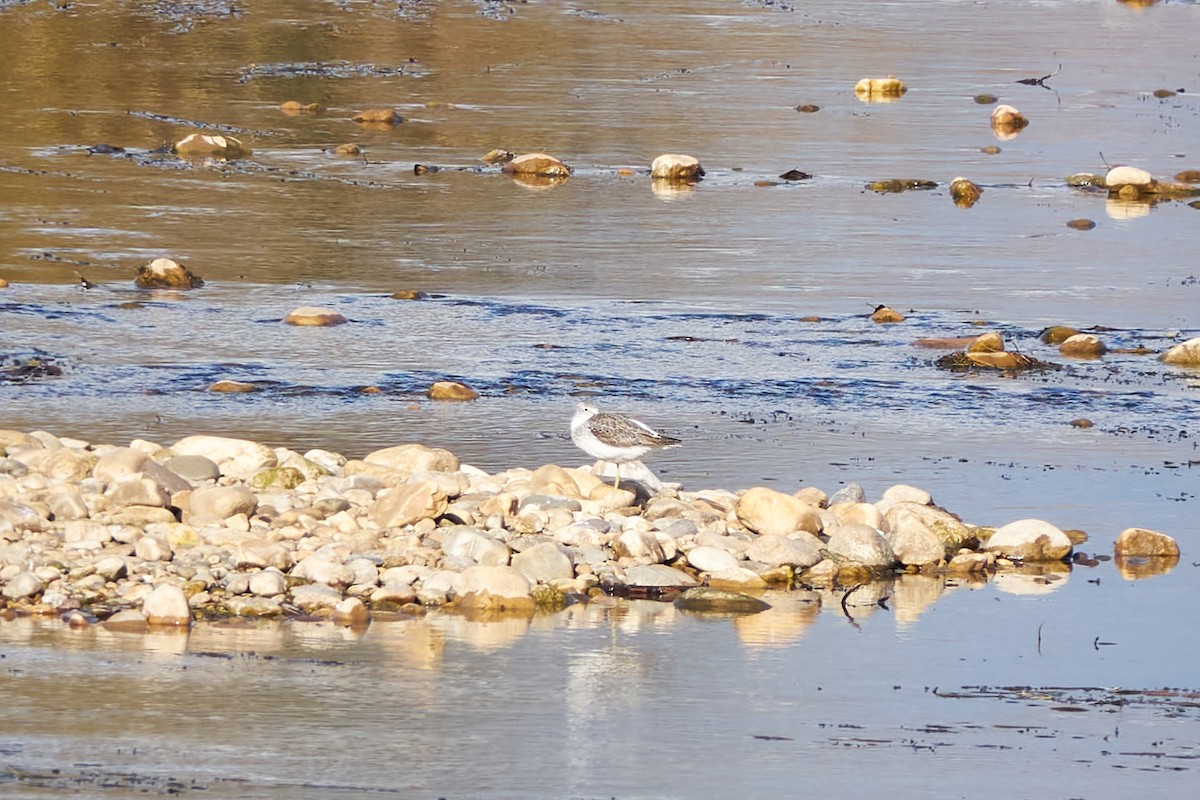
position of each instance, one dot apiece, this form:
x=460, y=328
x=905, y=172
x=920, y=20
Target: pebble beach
x=210, y=527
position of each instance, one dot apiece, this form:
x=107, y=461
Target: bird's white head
x=586, y=410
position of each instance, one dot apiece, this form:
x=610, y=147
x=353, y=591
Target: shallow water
x=684, y=307
x=1002, y=690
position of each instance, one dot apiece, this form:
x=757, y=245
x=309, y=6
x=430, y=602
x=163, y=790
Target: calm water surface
x=683, y=306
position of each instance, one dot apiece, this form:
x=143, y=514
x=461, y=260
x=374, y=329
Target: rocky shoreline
x=210, y=527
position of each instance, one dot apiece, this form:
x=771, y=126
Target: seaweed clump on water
x=962, y=361
x=21, y=369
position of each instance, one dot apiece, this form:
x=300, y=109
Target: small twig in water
x=846, y=610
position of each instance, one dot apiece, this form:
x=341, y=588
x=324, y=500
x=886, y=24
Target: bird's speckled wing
x=619, y=431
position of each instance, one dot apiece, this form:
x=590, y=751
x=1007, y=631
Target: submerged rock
x=313, y=316
x=230, y=386
x=165, y=273
x=1083, y=345
x=676, y=167
x=885, y=314
x=451, y=390
x=536, y=164
x=717, y=601
x=894, y=185
x=964, y=192
x=294, y=107
x=880, y=89
x=378, y=116
x=204, y=145
x=1007, y=122
x=1184, y=354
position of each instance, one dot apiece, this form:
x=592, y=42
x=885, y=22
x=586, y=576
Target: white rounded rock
x=711, y=559
x=1030, y=540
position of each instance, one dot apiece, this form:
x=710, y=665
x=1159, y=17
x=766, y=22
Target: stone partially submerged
x=166, y=273
x=205, y=145
x=676, y=167
x=880, y=90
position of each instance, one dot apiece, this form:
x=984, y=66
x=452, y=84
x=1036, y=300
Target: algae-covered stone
x=166, y=273
x=277, y=477
x=718, y=601
x=451, y=390
x=880, y=89
x=1145, y=542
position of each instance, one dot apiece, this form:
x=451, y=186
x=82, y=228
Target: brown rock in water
x=378, y=116
x=1005, y=116
x=202, y=145
x=1144, y=542
x=1086, y=180
x=990, y=342
x=409, y=294
x=1188, y=176
x=1184, y=354
x=314, y=317
x=497, y=156
x=964, y=192
x=294, y=107
x=893, y=185
x=1083, y=345
x=1081, y=224
x=164, y=273
x=538, y=164
x=808, y=108
x=451, y=390
x=885, y=314
x=985, y=99
x=348, y=149
x=998, y=360
x=1007, y=122
x=1082, y=422
x=676, y=167
x=3, y=283
x=1057, y=334
x=883, y=90
x=705, y=599
x=232, y=387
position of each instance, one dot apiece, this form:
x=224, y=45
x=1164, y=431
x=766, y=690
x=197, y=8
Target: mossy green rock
x=277, y=477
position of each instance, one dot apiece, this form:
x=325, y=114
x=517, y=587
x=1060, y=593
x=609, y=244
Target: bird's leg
x=617, y=481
